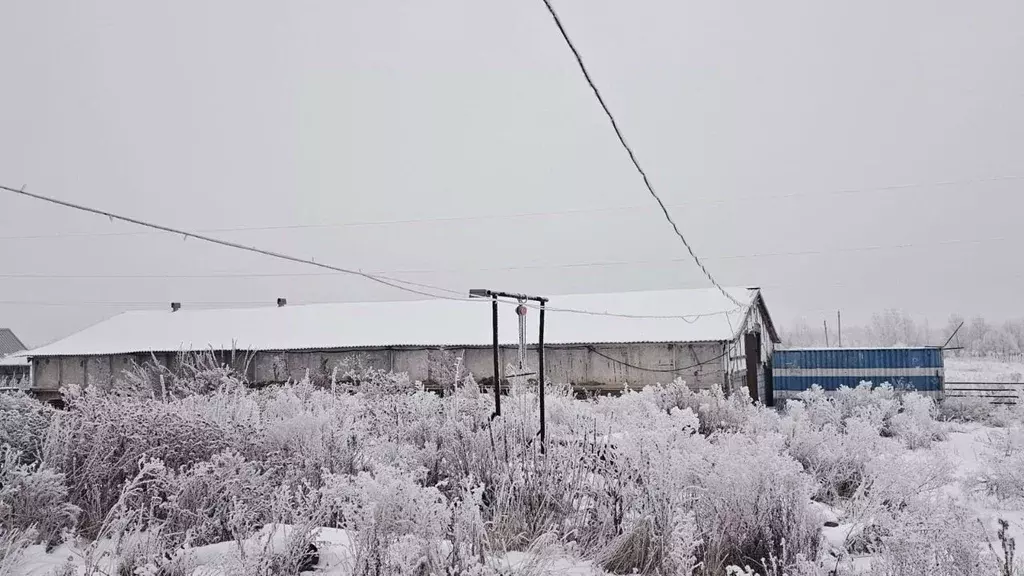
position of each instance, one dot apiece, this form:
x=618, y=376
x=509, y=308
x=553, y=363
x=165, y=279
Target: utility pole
x=839, y=322
x=825, y=322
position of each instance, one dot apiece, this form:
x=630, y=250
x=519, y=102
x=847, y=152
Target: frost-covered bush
x=569, y=489
x=307, y=431
x=33, y=497
x=909, y=416
x=1003, y=473
x=753, y=498
x=400, y=524
x=874, y=404
x=662, y=542
x=837, y=458
x=98, y=442
x=966, y=409
x=193, y=373
x=213, y=501
x=915, y=423
x=716, y=411
x=23, y=424
x=929, y=538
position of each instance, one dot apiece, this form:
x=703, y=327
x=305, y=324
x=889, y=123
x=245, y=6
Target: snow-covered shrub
x=469, y=531
x=147, y=553
x=534, y=494
x=33, y=496
x=1003, y=473
x=915, y=423
x=23, y=424
x=400, y=524
x=463, y=445
x=817, y=408
x=836, y=457
x=928, y=538
x=193, y=373
x=98, y=442
x=874, y=404
x=664, y=541
x=212, y=501
x=305, y=431
x=751, y=499
x=890, y=513
x=717, y=411
x=966, y=409
x=642, y=508
x=909, y=416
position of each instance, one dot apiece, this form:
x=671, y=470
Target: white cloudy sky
x=788, y=137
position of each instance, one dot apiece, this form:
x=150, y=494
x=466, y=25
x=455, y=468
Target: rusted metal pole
x=497, y=373
x=540, y=380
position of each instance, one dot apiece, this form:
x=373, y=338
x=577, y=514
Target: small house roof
x=9, y=343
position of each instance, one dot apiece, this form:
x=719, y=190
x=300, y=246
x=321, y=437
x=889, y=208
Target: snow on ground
x=335, y=549
x=965, y=449
x=983, y=370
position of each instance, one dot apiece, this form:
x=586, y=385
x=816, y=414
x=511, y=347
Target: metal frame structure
x=494, y=296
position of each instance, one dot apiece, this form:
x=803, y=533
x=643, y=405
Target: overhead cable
x=632, y=156
x=523, y=215
x=387, y=281
x=391, y=282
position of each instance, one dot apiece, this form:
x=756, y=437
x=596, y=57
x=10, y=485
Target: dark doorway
x=752, y=345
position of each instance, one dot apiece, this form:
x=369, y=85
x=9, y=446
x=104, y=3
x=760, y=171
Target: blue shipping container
x=919, y=369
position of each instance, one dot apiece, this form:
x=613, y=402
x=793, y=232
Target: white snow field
x=966, y=369
x=200, y=475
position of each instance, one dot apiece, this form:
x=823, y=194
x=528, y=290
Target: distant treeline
x=896, y=328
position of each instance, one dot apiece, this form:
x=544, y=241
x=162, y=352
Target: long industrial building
x=595, y=342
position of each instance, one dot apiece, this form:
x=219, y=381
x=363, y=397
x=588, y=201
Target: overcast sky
x=786, y=136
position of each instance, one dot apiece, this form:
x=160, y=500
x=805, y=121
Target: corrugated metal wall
x=919, y=369
x=598, y=368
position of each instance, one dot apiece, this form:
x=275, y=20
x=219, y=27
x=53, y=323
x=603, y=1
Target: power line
x=524, y=215
x=585, y=264
x=690, y=318
x=391, y=282
x=632, y=156
x=660, y=370
x=117, y=304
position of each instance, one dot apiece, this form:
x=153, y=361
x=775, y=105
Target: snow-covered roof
x=19, y=359
x=711, y=317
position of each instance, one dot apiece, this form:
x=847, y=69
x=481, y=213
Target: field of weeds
x=377, y=476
